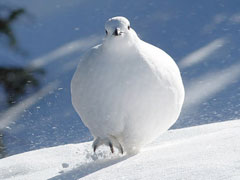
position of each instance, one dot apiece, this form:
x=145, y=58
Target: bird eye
x=128, y=27
x=106, y=32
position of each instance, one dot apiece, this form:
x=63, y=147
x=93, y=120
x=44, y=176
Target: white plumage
x=126, y=91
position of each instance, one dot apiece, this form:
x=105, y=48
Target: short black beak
x=117, y=32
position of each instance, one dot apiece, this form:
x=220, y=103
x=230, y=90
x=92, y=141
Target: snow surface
x=201, y=152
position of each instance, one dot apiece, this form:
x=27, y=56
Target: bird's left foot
x=111, y=141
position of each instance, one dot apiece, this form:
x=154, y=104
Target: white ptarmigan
x=126, y=91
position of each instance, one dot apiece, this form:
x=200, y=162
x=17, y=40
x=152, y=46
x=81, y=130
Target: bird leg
x=111, y=142
x=116, y=144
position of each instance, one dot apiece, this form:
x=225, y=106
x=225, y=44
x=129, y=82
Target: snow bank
x=202, y=152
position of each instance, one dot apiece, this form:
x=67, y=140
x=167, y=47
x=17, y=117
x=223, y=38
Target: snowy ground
x=201, y=152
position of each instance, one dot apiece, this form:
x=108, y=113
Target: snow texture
x=125, y=90
x=201, y=152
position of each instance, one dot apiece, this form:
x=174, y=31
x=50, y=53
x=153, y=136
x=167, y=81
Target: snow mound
x=201, y=152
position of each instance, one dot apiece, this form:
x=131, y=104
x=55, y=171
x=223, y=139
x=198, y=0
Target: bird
x=126, y=91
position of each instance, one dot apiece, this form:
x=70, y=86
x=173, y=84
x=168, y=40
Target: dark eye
x=106, y=32
x=128, y=27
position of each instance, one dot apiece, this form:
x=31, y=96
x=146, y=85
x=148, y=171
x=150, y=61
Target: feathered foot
x=111, y=141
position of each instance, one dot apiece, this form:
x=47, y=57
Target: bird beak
x=117, y=32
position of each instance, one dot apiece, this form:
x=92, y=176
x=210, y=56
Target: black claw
x=121, y=149
x=95, y=144
x=94, y=148
x=111, y=147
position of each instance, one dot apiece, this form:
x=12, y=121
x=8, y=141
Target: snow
x=126, y=91
x=202, y=152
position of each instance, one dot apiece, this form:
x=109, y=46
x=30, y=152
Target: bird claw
x=95, y=144
x=111, y=147
x=117, y=144
x=111, y=142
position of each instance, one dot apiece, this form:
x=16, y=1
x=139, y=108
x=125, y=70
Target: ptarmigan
x=126, y=91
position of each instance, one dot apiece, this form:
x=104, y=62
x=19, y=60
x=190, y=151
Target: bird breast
x=125, y=92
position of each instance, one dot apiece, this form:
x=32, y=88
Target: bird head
x=117, y=27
